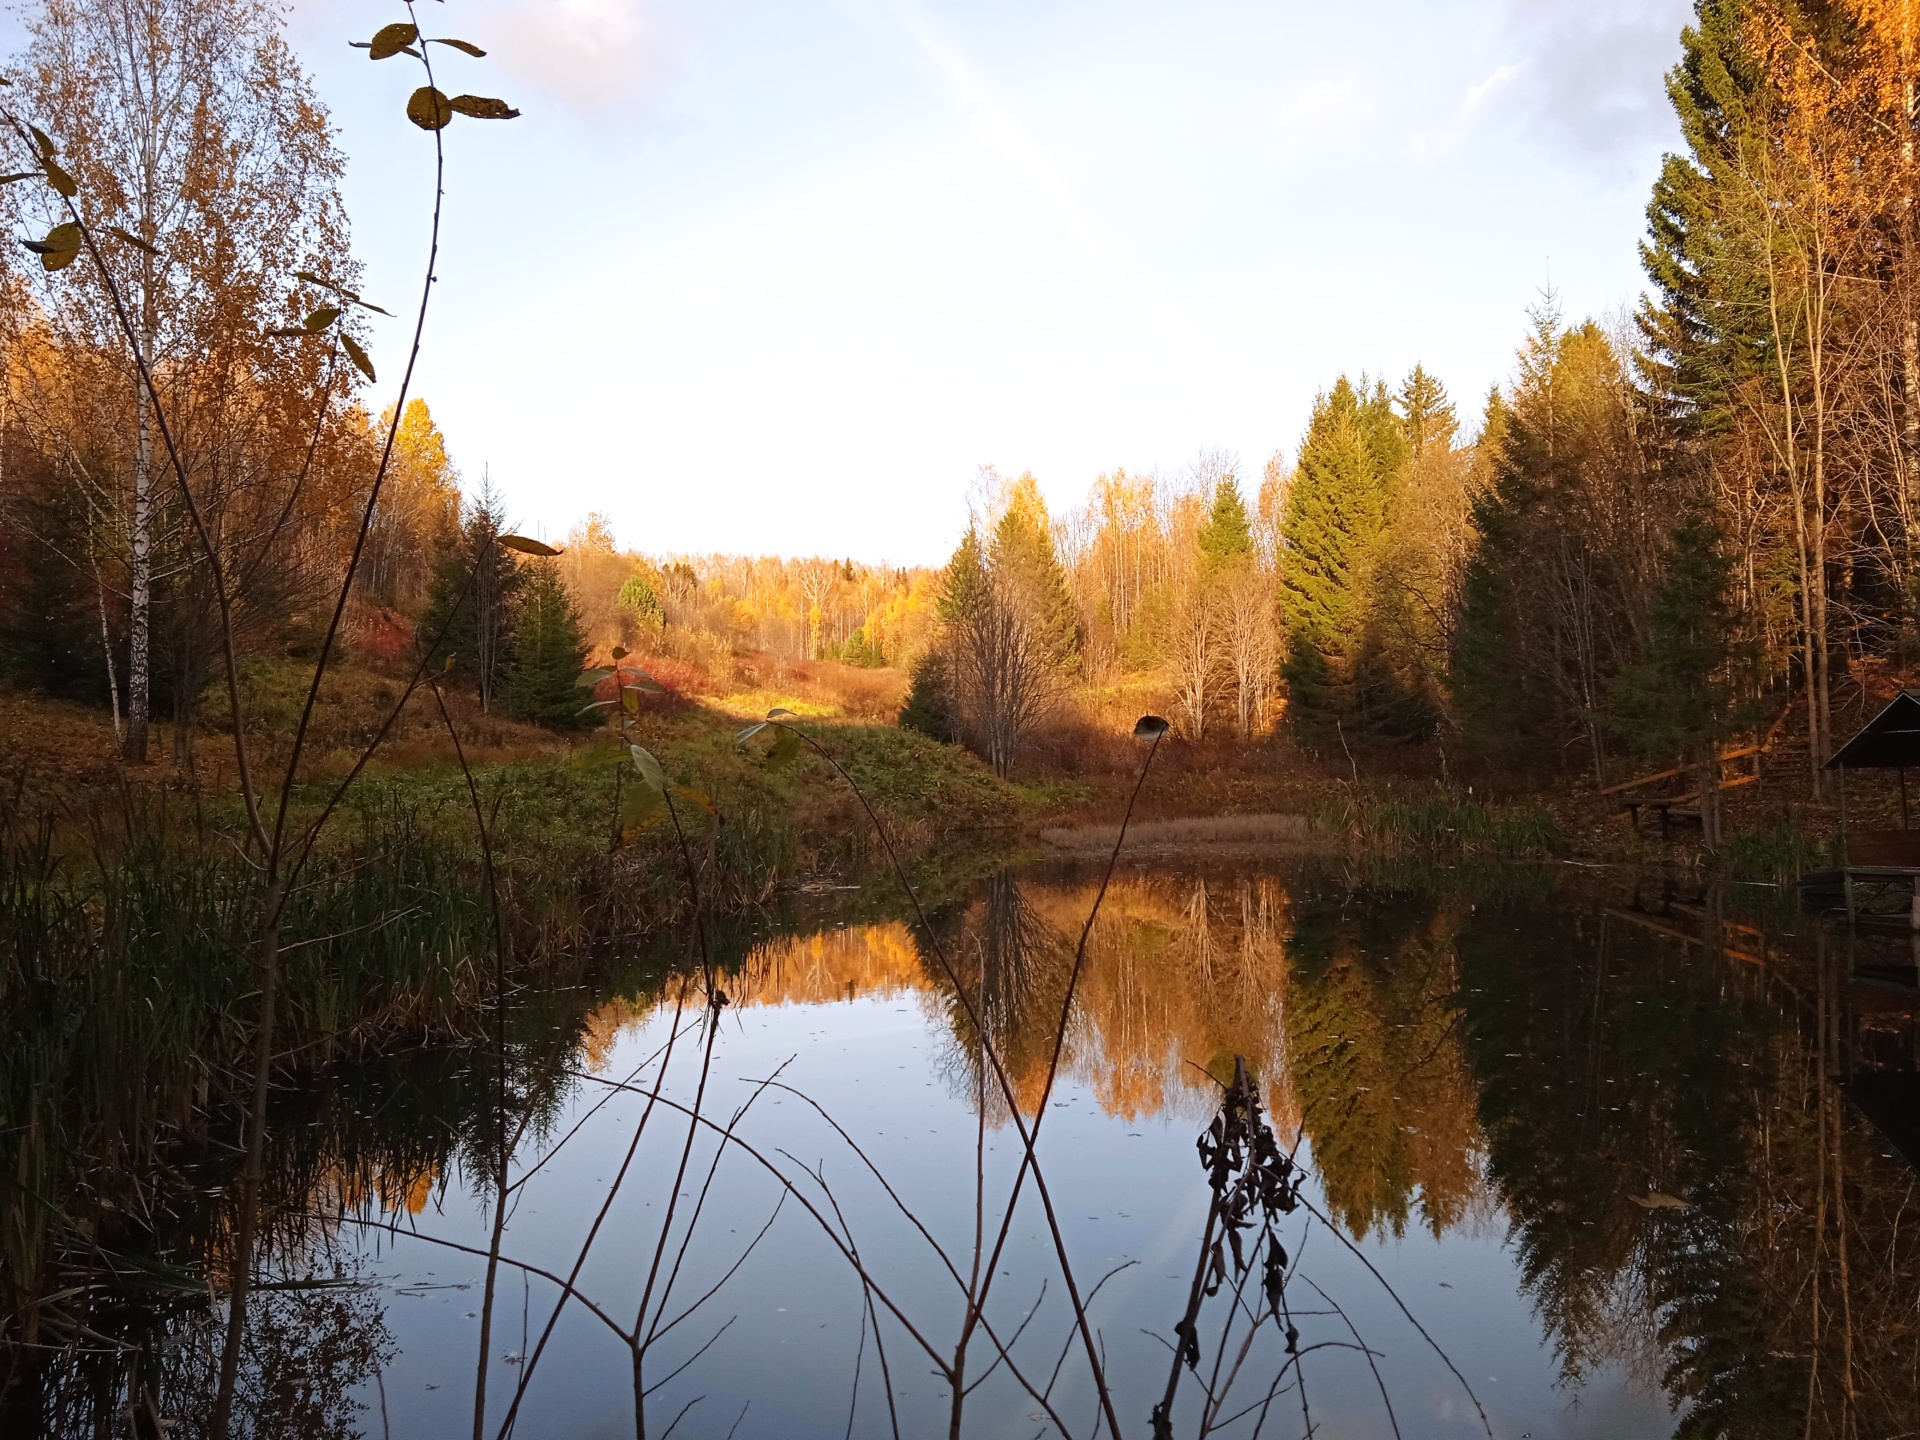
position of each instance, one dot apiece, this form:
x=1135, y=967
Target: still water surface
x=1592, y=1137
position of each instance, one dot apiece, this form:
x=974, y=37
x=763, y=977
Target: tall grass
x=1782, y=854
x=1442, y=821
x=126, y=978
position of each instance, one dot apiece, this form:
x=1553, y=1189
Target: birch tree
x=199, y=147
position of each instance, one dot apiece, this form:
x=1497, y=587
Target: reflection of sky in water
x=1120, y=1156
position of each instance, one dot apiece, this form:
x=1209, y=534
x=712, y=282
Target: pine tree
x=549, y=650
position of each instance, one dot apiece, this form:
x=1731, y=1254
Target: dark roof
x=1888, y=741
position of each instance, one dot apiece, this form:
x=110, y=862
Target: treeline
x=1663, y=528
x=1668, y=526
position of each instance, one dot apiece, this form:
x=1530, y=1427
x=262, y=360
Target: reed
x=1442, y=821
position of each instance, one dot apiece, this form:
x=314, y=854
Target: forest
x=357, y=835
x=1668, y=524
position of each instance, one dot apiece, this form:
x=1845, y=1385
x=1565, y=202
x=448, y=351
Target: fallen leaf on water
x=1657, y=1200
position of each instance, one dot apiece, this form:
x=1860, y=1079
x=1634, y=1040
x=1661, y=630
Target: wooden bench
x=1673, y=807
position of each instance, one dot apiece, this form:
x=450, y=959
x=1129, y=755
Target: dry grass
x=1240, y=831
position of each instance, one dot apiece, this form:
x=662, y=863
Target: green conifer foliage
x=49, y=599
x=1227, y=537
x=1426, y=413
x=1676, y=698
x=1025, y=562
x=637, y=597
x=1706, y=330
x=929, y=707
x=549, y=650
x=470, y=608
x=1336, y=510
x=965, y=589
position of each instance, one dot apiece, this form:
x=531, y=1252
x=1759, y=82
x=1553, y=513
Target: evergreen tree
x=1387, y=441
x=1026, y=564
x=929, y=708
x=963, y=590
x=638, y=598
x=1336, y=509
x=1706, y=331
x=1676, y=699
x=549, y=650
x=862, y=652
x=1426, y=413
x=1491, y=703
x=470, y=607
x=50, y=618
x=1227, y=536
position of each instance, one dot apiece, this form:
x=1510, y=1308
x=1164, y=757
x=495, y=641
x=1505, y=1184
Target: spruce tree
x=1336, y=510
x=929, y=708
x=470, y=607
x=637, y=597
x=1227, y=536
x=549, y=650
x=964, y=586
x=1675, y=699
x=50, y=618
x=1027, y=566
x=1426, y=413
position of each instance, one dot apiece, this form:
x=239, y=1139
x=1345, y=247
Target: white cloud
x=1588, y=79
x=1478, y=98
x=595, y=54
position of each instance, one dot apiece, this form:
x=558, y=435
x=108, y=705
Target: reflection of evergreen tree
x=1608, y=1073
x=1376, y=1062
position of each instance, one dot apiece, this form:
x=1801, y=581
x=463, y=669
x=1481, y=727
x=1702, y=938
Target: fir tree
x=964, y=586
x=1676, y=698
x=1387, y=442
x=549, y=650
x=50, y=607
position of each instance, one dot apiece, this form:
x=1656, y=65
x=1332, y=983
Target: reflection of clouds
x=594, y=54
x=1586, y=80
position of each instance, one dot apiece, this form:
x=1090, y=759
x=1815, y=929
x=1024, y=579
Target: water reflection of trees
x=1612, y=1066
x=1378, y=1060
x=132, y=1309
x=1182, y=974
x=1442, y=1054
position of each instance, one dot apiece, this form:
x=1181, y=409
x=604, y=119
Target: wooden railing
x=1740, y=752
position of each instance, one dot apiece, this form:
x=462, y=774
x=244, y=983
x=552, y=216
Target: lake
x=1555, y=1152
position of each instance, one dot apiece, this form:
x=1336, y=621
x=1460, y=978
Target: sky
x=781, y=276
